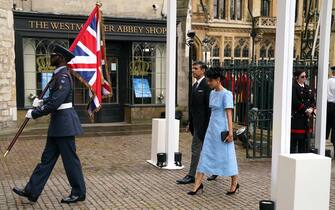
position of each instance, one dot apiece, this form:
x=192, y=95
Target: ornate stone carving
x=265, y=22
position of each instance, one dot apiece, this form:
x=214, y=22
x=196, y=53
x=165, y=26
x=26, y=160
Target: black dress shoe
x=73, y=199
x=23, y=193
x=212, y=178
x=186, y=180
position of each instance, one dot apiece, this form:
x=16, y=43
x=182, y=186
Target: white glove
x=309, y=111
x=28, y=115
x=37, y=102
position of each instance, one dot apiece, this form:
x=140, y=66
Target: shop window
x=235, y=9
x=37, y=68
x=146, y=73
x=38, y=71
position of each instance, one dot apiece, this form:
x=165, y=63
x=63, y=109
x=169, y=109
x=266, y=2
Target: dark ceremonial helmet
x=60, y=50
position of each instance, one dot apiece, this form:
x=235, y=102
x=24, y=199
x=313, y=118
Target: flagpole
x=172, y=125
x=26, y=120
x=106, y=76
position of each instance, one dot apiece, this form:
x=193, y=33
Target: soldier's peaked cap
x=64, y=52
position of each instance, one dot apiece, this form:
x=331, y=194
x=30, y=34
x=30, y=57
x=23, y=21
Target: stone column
x=7, y=67
x=273, y=4
x=256, y=8
x=300, y=13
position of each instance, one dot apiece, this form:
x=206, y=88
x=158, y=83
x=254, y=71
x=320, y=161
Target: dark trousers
x=299, y=142
x=196, y=150
x=55, y=146
x=331, y=121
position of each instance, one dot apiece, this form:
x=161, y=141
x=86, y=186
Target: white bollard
x=157, y=139
x=303, y=182
x=158, y=142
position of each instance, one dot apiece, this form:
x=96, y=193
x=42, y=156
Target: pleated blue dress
x=217, y=157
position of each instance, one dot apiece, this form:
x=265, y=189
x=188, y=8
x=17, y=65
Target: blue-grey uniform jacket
x=64, y=122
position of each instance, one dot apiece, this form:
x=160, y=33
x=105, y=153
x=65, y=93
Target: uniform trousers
x=66, y=148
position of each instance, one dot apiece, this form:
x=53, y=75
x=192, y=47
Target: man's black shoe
x=23, y=193
x=73, y=199
x=212, y=178
x=186, y=180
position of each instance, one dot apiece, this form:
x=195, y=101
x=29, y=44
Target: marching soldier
x=303, y=104
x=64, y=126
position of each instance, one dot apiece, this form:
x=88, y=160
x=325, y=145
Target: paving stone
x=118, y=177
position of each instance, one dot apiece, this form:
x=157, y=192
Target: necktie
x=195, y=86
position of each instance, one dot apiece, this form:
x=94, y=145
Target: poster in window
x=46, y=77
x=141, y=88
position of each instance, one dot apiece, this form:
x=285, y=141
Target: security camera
x=191, y=34
x=155, y=6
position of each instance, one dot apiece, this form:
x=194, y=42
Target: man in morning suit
x=64, y=126
x=199, y=113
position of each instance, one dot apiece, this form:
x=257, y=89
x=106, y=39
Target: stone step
x=90, y=130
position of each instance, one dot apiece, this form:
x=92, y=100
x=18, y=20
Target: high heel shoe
x=237, y=189
x=201, y=187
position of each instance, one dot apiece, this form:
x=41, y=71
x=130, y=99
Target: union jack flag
x=89, y=65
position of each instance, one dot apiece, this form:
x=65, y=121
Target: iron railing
x=252, y=84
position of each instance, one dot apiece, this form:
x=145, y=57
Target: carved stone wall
x=7, y=67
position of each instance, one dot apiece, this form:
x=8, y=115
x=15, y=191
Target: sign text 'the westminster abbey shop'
x=109, y=27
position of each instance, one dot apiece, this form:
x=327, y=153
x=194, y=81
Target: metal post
x=325, y=22
x=282, y=85
x=170, y=131
x=253, y=33
x=190, y=42
x=190, y=55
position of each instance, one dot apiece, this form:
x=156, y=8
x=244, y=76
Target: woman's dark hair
x=214, y=73
x=298, y=72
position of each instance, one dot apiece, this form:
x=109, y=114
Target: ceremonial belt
x=65, y=106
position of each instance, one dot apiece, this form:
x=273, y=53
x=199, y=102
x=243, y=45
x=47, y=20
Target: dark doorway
x=112, y=109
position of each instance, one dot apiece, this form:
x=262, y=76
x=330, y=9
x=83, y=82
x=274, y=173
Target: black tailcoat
x=199, y=110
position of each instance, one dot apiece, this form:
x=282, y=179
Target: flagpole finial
x=98, y=3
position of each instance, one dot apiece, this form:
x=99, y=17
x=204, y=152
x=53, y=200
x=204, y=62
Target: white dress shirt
x=331, y=90
x=199, y=81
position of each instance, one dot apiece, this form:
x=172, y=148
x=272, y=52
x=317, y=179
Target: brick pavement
x=118, y=177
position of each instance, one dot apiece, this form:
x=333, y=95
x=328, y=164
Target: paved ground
x=118, y=177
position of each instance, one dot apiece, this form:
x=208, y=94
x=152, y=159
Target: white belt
x=65, y=106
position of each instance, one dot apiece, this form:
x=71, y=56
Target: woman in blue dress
x=217, y=156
